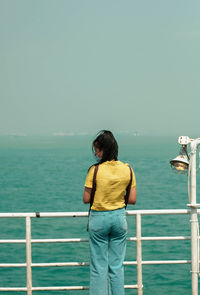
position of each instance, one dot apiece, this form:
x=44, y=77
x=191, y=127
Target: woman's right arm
x=87, y=195
x=88, y=185
x=132, y=196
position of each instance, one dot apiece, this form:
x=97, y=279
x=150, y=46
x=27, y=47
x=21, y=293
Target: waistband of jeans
x=119, y=210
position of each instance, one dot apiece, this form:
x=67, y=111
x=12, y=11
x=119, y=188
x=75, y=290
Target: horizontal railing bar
x=167, y=262
x=129, y=263
x=11, y=215
x=174, y=238
x=159, y=211
x=54, y=264
x=85, y=214
x=165, y=238
x=58, y=288
x=12, y=264
x=76, y=240
x=13, y=289
x=45, y=214
x=51, y=264
x=44, y=241
x=61, y=264
x=74, y=288
x=159, y=262
x=130, y=286
x=12, y=241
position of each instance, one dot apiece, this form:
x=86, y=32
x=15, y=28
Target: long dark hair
x=106, y=142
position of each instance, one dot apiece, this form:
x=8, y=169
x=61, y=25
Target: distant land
x=71, y=133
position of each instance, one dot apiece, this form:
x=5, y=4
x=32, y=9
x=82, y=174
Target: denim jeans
x=107, y=234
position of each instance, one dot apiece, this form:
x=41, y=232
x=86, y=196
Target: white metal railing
x=138, y=239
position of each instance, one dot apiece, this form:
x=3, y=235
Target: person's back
x=111, y=182
x=107, y=219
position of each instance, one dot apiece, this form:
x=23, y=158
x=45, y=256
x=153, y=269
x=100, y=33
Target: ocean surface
x=47, y=174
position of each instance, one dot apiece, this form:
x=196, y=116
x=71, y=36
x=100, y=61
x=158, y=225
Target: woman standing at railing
x=109, y=186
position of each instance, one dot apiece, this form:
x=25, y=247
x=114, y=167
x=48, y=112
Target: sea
x=47, y=174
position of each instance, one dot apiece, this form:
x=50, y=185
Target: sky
x=79, y=66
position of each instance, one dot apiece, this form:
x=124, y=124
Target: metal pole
x=139, y=254
x=28, y=256
x=194, y=221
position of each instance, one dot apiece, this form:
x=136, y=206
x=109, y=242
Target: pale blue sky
x=85, y=65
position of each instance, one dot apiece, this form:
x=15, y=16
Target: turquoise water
x=46, y=174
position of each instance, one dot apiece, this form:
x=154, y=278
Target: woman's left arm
x=132, y=196
x=87, y=195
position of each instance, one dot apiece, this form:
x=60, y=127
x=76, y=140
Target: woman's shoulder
x=124, y=164
x=92, y=167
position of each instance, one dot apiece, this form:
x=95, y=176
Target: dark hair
x=106, y=142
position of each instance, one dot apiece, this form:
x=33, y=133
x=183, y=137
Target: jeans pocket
x=96, y=222
x=123, y=223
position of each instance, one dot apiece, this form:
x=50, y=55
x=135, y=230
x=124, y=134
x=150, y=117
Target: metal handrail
x=138, y=239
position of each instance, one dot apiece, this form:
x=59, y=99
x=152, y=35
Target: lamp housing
x=180, y=164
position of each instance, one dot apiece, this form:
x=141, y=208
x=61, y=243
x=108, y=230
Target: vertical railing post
x=139, y=254
x=28, y=256
x=194, y=221
x=194, y=250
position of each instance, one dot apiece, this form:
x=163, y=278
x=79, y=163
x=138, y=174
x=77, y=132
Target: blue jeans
x=107, y=234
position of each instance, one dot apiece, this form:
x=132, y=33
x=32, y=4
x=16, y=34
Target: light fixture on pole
x=181, y=164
